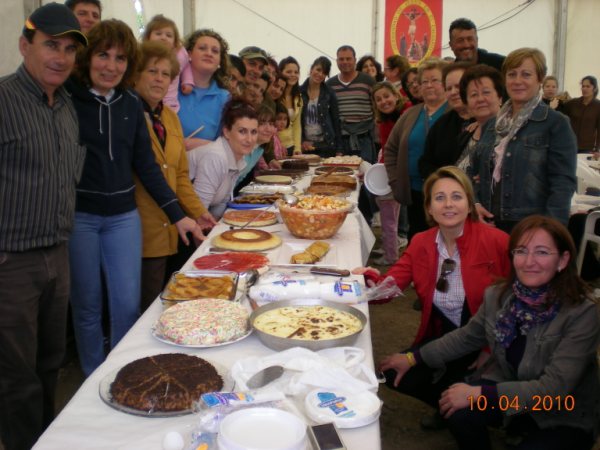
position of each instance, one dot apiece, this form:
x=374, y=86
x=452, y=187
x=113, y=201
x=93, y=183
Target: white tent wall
x=309, y=28
x=305, y=29
x=12, y=13
x=532, y=27
x=583, y=37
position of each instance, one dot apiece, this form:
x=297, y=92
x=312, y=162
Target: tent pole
x=189, y=16
x=374, y=27
x=560, y=40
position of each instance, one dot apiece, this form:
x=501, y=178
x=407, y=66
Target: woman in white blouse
x=214, y=168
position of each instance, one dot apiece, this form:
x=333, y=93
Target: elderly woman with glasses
x=542, y=326
x=450, y=265
x=406, y=143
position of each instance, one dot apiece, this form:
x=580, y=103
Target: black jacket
x=329, y=116
x=117, y=144
x=444, y=144
x=490, y=59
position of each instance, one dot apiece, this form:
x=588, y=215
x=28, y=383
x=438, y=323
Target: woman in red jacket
x=450, y=266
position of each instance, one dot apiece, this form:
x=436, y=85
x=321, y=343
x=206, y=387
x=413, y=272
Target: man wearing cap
x=40, y=163
x=255, y=60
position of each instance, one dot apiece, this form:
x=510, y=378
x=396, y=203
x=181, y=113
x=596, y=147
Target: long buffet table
x=87, y=422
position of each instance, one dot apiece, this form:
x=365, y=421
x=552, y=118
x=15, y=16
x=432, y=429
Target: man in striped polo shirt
x=40, y=163
x=353, y=92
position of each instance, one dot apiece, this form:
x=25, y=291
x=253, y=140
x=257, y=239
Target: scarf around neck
x=528, y=308
x=507, y=127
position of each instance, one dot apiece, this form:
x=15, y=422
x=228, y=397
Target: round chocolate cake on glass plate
x=167, y=382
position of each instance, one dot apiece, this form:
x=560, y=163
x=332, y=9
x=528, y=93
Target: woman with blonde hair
x=550, y=93
x=542, y=328
x=450, y=266
x=525, y=161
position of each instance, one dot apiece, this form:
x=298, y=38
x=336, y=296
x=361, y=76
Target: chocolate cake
x=297, y=164
x=168, y=382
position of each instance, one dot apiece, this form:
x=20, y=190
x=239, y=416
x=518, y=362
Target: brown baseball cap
x=253, y=52
x=55, y=20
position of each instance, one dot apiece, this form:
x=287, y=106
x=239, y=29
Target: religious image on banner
x=413, y=29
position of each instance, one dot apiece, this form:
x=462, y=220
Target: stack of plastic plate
x=345, y=409
x=262, y=429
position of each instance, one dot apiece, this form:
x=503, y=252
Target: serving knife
x=329, y=270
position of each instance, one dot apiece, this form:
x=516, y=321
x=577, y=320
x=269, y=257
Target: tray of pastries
x=196, y=284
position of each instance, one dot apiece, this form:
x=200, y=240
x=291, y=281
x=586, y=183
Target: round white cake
x=203, y=322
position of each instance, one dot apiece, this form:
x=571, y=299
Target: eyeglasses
x=431, y=82
x=448, y=266
x=537, y=254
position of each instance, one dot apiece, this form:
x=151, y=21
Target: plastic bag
x=386, y=289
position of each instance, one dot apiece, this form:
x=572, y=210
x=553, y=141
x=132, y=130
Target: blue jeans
x=113, y=245
x=363, y=147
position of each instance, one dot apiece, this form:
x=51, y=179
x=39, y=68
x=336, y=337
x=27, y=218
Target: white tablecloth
x=87, y=422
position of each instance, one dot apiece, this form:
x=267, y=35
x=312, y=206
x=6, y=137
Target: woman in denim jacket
x=526, y=160
x=321, y=130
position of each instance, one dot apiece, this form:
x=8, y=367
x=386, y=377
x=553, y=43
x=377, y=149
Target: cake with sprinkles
x=203, y=322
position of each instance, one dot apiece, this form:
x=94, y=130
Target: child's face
x=166, y=35
x=281, y=121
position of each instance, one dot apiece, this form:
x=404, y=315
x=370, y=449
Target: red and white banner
x=413, y=28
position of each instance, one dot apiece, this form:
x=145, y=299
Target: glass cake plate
x=157, y=335
x=106, y=397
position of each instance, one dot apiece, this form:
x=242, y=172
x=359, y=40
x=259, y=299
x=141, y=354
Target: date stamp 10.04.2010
x=538, y=403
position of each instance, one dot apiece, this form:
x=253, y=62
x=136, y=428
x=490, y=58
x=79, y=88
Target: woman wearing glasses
x=406, y=144
x=450, y=265
x=543, y=329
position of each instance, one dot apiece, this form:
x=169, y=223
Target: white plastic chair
x=586, y=176
x=588, y=236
